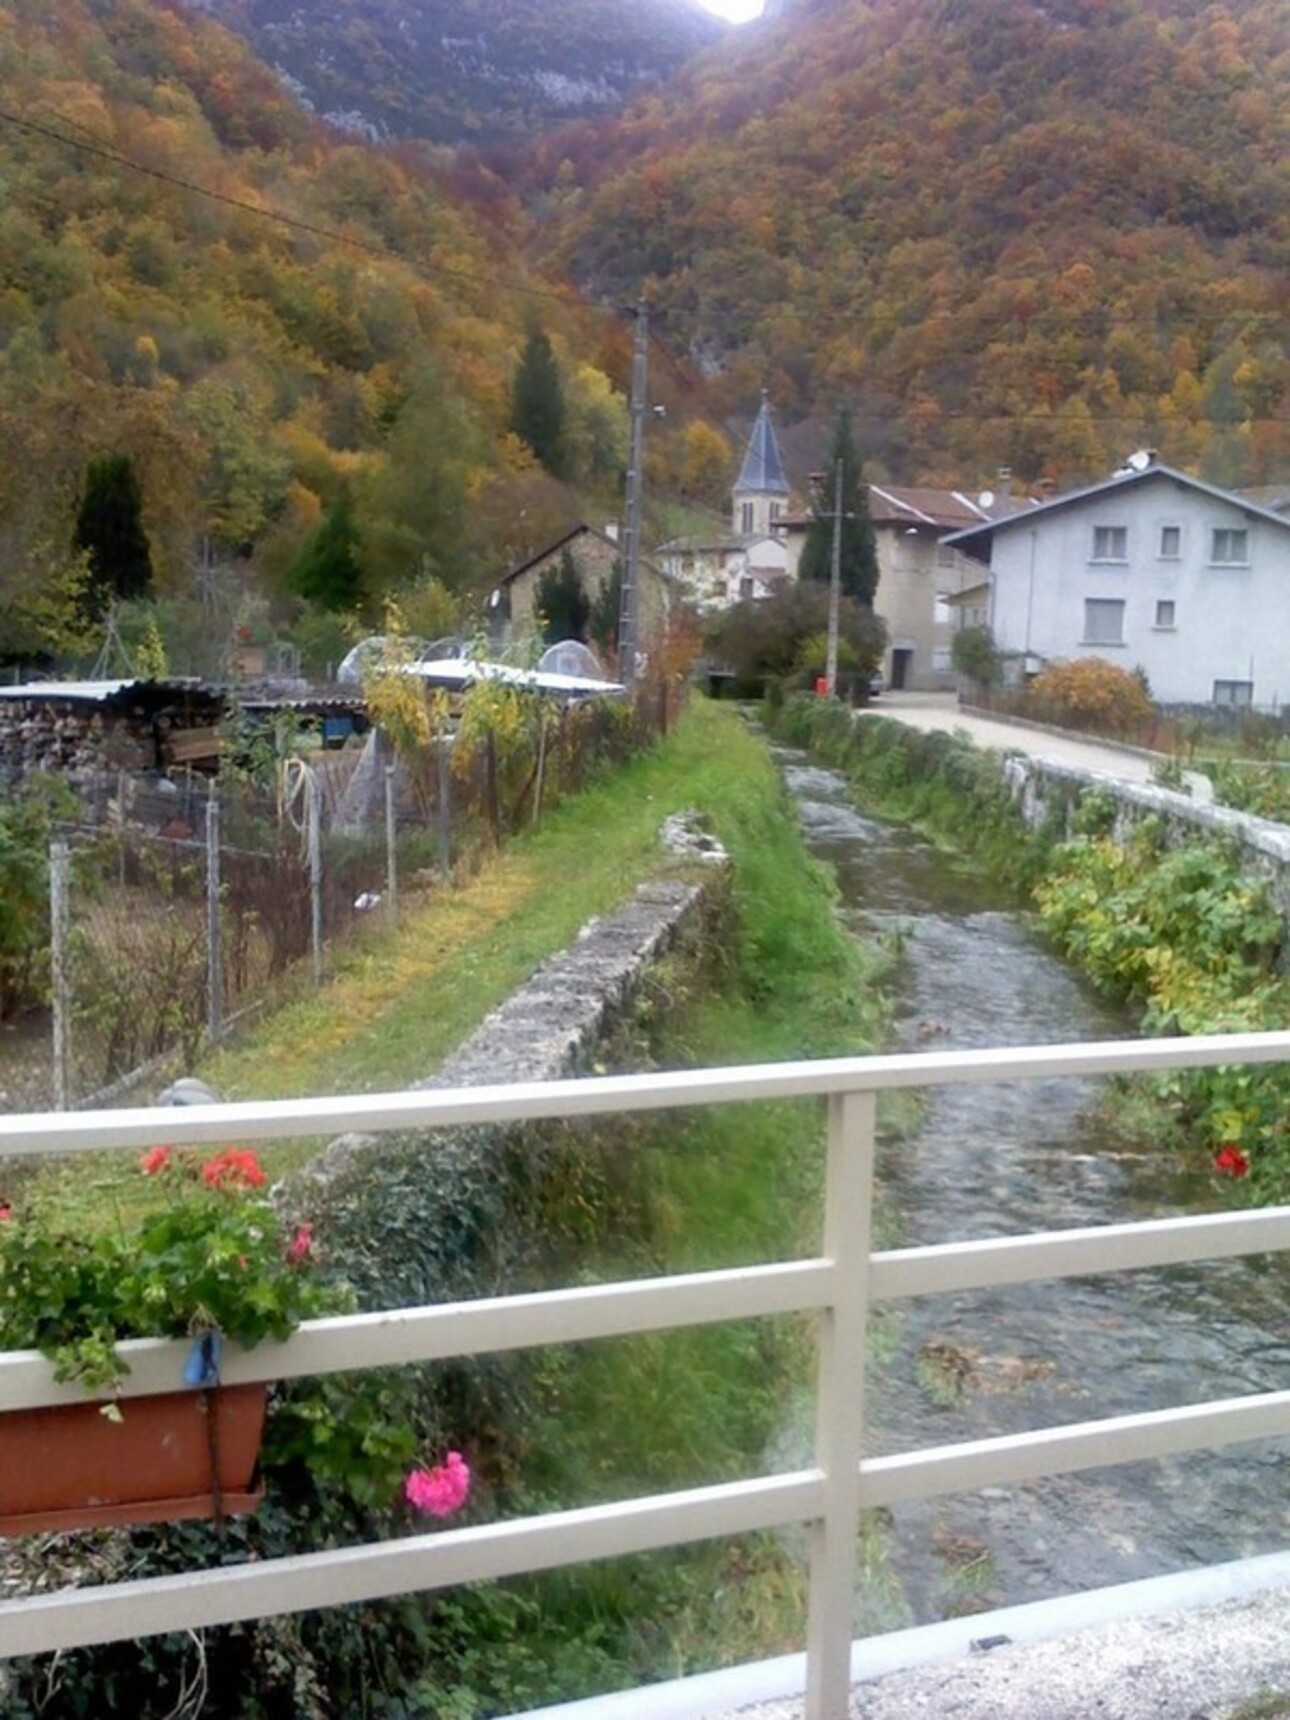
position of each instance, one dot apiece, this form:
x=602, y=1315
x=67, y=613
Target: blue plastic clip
x=202, y=1367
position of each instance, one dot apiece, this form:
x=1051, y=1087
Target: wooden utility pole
x=629, y=608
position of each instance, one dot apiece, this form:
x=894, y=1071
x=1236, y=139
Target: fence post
x=313, y=802
x=541, y=767
x=391, y=850
x=214, y=930
x=839, y=1433
x=444, y=808
x=62, y=1004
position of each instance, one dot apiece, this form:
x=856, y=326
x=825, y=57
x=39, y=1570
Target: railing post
x=391, y=849
x=839, y=1434
x=59, y=981
x=214, y=929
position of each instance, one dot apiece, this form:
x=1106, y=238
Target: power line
x=275, y=216
x=1107, y=319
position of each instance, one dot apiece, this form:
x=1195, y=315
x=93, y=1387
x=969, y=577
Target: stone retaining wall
x=555, y=1023
x=1044, y=789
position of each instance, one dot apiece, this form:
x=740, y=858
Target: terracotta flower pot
x=74, y=1467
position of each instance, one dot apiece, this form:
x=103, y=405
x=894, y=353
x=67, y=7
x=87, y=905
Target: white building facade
x=1151, y=569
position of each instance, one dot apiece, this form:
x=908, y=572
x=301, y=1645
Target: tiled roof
x=950, y=510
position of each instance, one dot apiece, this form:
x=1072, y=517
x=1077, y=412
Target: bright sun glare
x=738, y=11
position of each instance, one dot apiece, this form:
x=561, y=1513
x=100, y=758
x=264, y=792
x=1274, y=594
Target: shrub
x=974, y=654
x=1091, y=694
x=26, y=827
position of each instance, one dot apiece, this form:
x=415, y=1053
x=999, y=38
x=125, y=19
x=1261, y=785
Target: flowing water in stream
x=1032, y=1156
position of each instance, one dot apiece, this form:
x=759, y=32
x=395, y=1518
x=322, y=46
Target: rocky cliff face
x=458, y=71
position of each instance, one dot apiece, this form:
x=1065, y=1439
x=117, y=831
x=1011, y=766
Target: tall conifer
x=109, y=528
x=859, y=548
x=537, y=403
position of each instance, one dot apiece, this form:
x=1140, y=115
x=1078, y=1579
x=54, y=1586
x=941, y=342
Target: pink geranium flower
x=301, y=1244
x=442, y=1490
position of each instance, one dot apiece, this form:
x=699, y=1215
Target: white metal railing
x=838, y=1285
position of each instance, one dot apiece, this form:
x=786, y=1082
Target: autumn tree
x=858, y=546
x=537, y=403
x=109, y=528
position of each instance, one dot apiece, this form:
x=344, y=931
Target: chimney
x=1003, y=482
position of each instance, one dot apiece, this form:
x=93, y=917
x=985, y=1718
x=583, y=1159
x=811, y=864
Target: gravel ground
x=1219, y=1664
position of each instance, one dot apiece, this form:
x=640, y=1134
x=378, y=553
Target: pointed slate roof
x=762, y=472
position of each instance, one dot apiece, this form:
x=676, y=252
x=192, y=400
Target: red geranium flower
x=6, y=1211
x=236, y=1168
x=1231, y=1162
x=154, y=1160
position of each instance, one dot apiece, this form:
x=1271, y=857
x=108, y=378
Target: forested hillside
x=469, y=71
x=1037, y=235
x=297, y=352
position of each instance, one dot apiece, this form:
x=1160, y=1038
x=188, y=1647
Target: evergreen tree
x=562, y=603
x=325, y=571
x=606, y=611
x=859, y=557
x=537, y=404
x=109, y=529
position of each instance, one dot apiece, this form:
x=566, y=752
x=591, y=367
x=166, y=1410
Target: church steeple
x=761, y=487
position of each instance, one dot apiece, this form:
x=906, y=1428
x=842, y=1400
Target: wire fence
x=183, y=905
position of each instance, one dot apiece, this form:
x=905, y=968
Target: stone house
x=512, y=604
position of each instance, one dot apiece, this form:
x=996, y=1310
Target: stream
x=1018, y=1157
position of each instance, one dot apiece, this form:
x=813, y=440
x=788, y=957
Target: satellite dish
x=985, y=499
x=571, y=657
x=1141, y=460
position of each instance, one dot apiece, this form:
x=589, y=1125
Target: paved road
x=941, y=711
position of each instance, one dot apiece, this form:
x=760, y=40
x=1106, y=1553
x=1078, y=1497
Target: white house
x=1150, y=569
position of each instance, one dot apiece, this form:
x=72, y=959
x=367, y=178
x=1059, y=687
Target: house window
x=1103, y=621
x=1239, y=694
x=1231, y=547
x=776, y=508
x=942, y=660
x=1165, y=612
x=747, y=587
x=942, y=614
x=746, y=517
x=1110, y=543
x=1170, y=543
